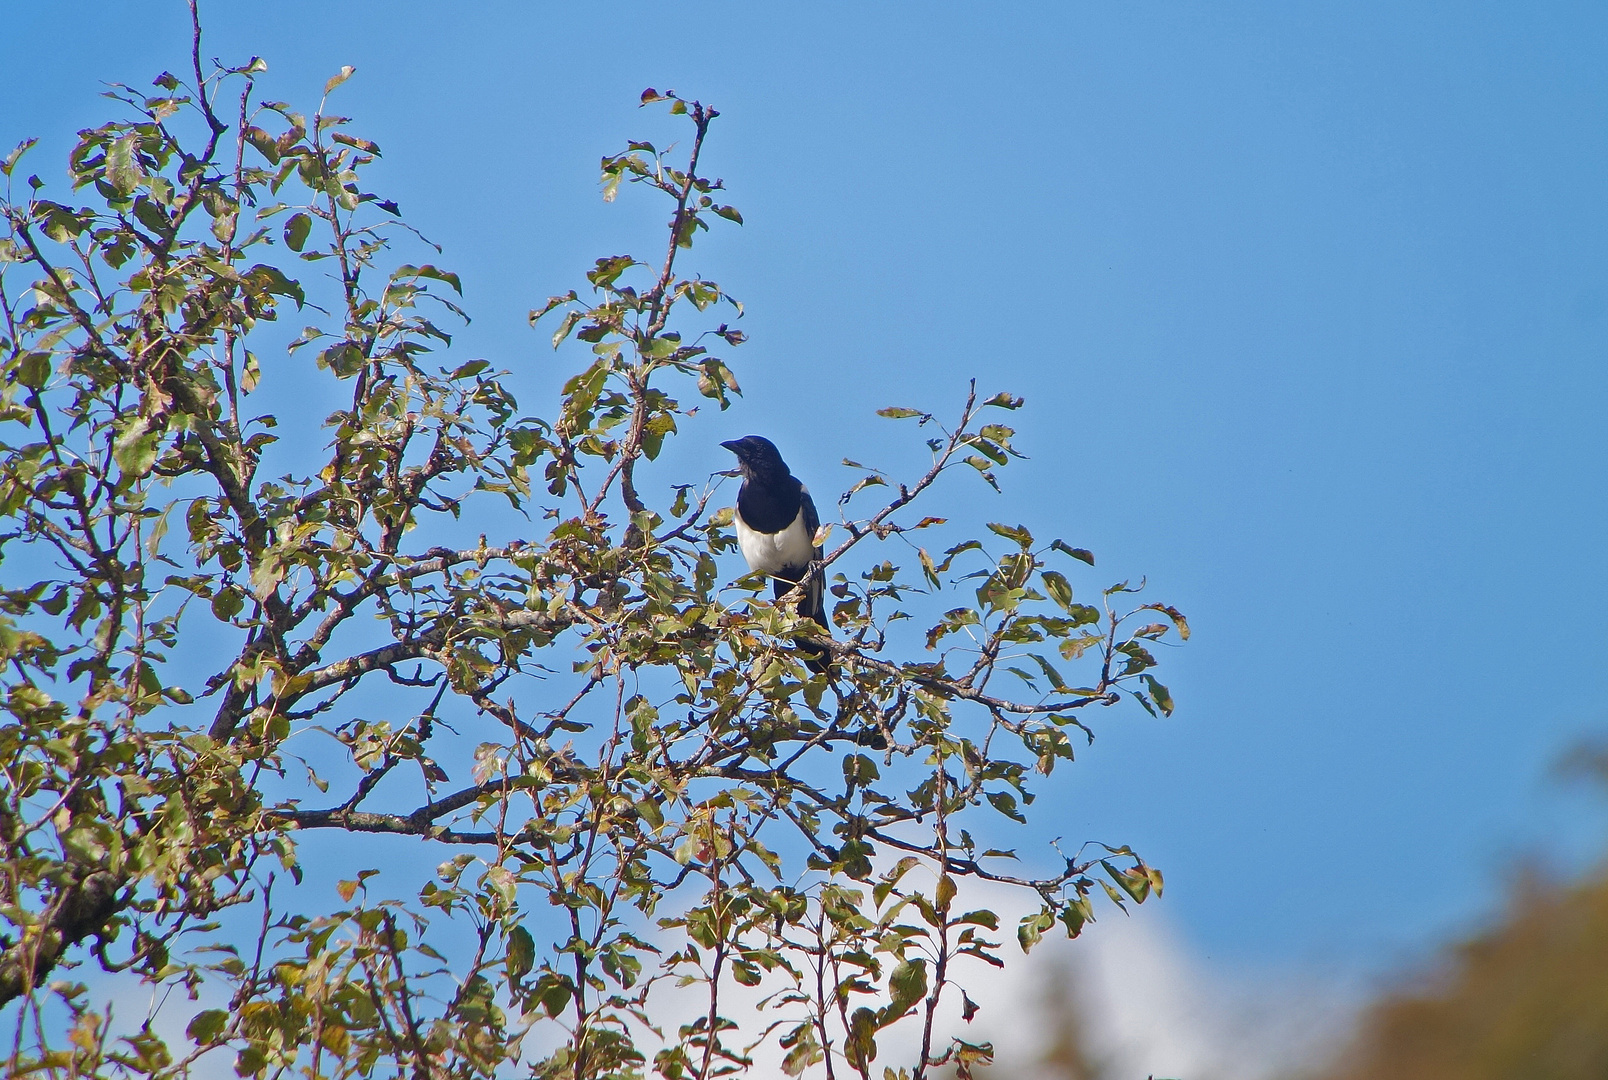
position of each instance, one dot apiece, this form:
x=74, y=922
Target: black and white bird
x=776, y=523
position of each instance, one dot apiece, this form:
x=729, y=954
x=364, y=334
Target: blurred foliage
x=231, y=622
x=1065, y=1053
x=1526, y=1000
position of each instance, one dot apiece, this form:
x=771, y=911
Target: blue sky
x=1309, y=303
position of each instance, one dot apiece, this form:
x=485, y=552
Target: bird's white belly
x=770, y=553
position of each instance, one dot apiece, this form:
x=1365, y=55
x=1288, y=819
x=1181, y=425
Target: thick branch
x=358, y=821
x=233, y=709
x=82, y=910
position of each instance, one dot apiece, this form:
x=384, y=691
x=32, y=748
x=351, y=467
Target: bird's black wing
x=812, y=520
x=814, y=597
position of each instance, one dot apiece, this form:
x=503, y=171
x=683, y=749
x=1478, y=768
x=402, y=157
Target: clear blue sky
x=1309, y=302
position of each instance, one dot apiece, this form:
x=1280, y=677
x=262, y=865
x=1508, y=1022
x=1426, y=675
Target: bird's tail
x=811, y=606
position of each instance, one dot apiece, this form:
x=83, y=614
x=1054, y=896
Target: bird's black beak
x=731, y=444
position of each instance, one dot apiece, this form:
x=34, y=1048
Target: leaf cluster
x=633, y=781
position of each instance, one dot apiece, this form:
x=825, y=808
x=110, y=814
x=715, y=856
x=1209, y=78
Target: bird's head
x=757, y=456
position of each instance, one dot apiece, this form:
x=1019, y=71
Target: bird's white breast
x=770, y=553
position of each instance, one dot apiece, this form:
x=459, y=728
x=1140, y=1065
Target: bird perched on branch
x=776, y=523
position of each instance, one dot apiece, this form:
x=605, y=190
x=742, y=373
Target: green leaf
x=15, y=156
x=896, y=412
x=33, y=370
x=552, y=302
x=339, y=77
x=122, y=171
x=806, y=1051
x=880, y=891
x=434, y=273
x=649, y=811
x=1058, y=587
x=158, y=530
x=653, y=432
x=1134, y=882
x=135, y=449
x=227, y=604
x=1075, y=914
x=223, y=224
x=608, y=270
x=360, y=144
x=907, y=984
x=521, y=953
x=265, y=144
x=1159, y=694
x=555, y=993
x=859, y=770
x=251, y=1060
x=206, y=1026
x=861, y=1045
x=62, y=225
x=689, y=849
x=1005, y=803
x=1081, y=554
x=571, y=318
x=296, y=231
x=1050, y=673
x=1030, y=931
x=1177, y=617
x=1018, y=533
x=272, y=280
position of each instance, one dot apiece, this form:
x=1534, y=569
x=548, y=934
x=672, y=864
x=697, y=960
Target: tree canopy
x=1526, y=996
x=432, y=620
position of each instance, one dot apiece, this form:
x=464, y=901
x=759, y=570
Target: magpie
x=776, y=523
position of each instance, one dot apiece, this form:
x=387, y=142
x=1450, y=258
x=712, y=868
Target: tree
x=1525, y=997
x=217, y=655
